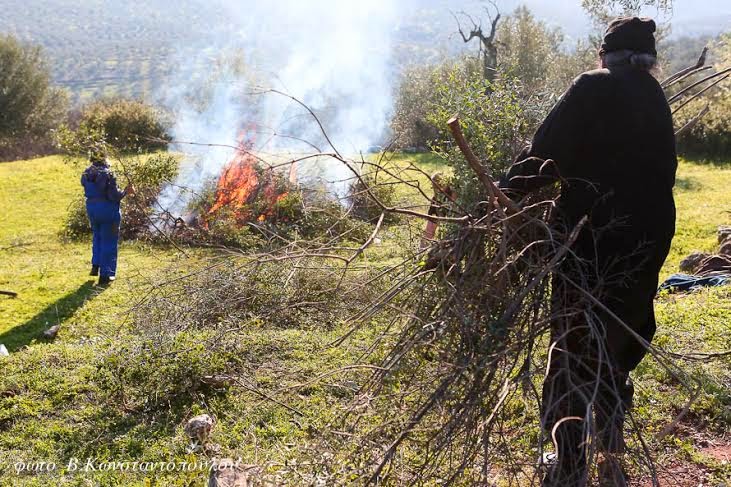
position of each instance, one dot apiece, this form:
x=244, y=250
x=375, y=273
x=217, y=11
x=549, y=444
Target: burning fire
x=242, y=182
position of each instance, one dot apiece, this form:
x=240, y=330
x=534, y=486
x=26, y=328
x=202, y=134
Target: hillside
x=108, y=48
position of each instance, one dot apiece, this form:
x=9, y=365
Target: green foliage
x=225, y=228
x=414, y=99
x=323, y=218
x=291, y=217
x=530, y=57
x=276, y=212
x=126, y=125
x=531, y=52
x=112, y=127
x=164, y=370
x=148, y=173
x=29, y=105
x=76, y=226
x=361, y=194
x=602, y=11
x=494, y=122
x=711, y=136
x=84, y=142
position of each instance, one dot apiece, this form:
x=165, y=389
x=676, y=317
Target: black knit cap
x=631, y=33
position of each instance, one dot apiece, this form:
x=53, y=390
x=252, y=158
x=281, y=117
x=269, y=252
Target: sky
x=688, y=16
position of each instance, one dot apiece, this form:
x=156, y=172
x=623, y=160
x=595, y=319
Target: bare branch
x=692, y=122
x=476, y=166
x=687, y=71
x=686, y=90
x=700, y=93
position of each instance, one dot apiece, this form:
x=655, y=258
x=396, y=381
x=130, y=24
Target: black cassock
x=612, y=139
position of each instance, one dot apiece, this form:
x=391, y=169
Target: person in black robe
x=612, y=143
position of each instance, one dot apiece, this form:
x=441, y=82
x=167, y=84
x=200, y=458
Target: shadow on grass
x=55, y=313
x=688, y=184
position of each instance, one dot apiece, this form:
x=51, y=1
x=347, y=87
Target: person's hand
x=130, y=189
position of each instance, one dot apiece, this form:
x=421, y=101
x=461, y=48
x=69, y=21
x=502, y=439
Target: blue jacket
x=100, y=184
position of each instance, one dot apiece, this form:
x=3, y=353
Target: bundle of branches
x=459, y=381
x=235, y=290
x=479, y=300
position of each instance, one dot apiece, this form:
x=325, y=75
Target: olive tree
x=532, y=59
x=30, y=106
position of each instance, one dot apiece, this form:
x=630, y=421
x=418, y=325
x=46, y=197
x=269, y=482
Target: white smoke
x=333, y=55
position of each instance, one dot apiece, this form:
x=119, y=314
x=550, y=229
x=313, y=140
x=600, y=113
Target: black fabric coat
x=612, y=139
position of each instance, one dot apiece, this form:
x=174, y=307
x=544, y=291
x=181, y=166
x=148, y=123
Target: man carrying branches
x=611, y=137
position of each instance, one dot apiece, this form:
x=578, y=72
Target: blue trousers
x=104, y=218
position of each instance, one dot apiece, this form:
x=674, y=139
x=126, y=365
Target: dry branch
x=700, y=93
x=700, y=356
x=686, y=90
x=683, y=73
x=480, y=171
x=693, y=121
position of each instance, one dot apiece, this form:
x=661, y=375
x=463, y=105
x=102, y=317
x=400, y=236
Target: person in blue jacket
x=103, y=198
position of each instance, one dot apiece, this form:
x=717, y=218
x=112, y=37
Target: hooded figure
x=612, y=141
x=103, y=198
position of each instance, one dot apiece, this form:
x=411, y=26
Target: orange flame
x=241, y=183
x=236, y=185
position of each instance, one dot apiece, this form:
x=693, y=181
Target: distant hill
x=107, y=47
x=707, y=25
x=110, y=47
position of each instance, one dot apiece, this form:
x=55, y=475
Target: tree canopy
x=29, y=105
x=603, y=10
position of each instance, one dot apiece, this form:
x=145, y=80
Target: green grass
x=49, y=274
x=703, y=200
x=58, y=401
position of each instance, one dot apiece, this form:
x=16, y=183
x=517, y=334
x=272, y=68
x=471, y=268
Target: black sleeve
x=558, y=138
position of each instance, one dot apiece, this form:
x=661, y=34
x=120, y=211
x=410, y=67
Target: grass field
x=49, y=274
x=52, y=407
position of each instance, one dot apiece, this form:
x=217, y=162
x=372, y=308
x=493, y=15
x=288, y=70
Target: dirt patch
x=685, y=473
x=720, y=453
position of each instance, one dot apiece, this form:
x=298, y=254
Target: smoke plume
x=333, y=55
